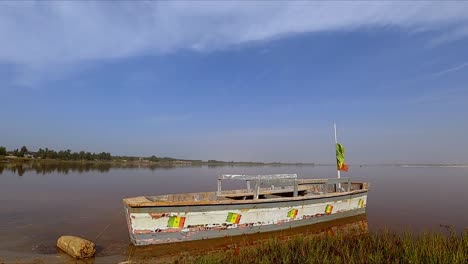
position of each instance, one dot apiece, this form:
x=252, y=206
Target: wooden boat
x=269, y=203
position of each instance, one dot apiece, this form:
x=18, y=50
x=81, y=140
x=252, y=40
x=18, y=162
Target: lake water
x=41, y=203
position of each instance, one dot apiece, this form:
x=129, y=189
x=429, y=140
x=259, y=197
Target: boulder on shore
x=76, y=247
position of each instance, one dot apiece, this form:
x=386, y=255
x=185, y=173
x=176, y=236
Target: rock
x=76, y=247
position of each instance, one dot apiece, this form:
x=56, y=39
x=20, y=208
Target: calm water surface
x=38, y=205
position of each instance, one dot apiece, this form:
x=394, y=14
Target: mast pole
x=336, y=142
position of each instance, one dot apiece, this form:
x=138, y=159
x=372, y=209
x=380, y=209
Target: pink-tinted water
x=38, y=205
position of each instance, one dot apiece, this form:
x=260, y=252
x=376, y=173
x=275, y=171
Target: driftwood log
x=76, y=247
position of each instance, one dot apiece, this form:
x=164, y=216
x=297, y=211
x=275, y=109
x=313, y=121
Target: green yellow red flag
x=233, y=218
x=341, y=165
x=176, y=222
x=292, y=213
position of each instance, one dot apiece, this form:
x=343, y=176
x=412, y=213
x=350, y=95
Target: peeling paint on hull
x=166, y=224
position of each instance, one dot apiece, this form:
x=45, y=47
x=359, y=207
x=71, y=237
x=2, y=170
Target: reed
x=382, y=247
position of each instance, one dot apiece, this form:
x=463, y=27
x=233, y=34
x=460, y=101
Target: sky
x=240, y=81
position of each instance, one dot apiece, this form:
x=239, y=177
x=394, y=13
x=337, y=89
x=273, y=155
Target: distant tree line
x=52, y=154
x=69, y=155
x=158, y=159
x=17, y=152
x=3, y=151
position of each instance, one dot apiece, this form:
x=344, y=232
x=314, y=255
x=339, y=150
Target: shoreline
x=179, y=162
x=326, y=247
x=16, y=160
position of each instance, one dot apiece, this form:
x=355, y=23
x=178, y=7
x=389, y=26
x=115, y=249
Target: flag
x=361, y=203
x=176, y=222
x=292, y=213
x=341, y=165
x=233, y=218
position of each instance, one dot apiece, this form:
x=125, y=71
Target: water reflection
x=89, y=198
x=65, y=167
x=79, y=167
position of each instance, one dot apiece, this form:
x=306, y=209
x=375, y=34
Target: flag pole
x=336, y=142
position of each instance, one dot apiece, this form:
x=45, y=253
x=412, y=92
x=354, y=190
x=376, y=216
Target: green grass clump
x=383, y=247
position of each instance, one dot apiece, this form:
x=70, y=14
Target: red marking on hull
x=143, y=231
x=158, y=215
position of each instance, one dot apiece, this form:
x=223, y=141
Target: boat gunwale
x=148, y=203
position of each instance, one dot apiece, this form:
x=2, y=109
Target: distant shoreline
x=437, y=165
x=175, y=162
x=182, y=162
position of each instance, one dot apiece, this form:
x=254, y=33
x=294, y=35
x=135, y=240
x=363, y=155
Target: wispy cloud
x=452, y=69
x=42, y=35
x=451, y=35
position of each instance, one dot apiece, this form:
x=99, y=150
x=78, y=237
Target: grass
x=383, y=247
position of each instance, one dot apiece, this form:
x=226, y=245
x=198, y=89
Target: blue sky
x=259, y=81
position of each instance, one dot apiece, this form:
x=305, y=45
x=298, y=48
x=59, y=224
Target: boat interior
x=259, y=188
